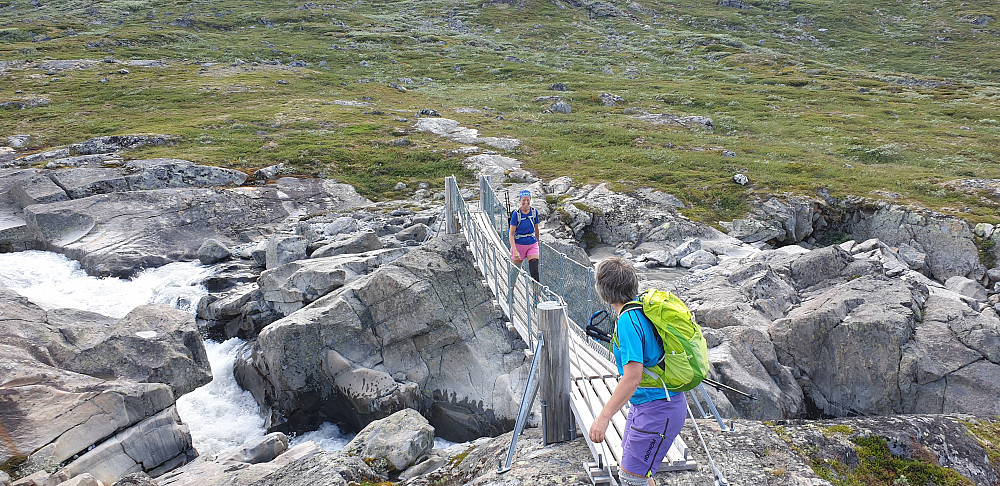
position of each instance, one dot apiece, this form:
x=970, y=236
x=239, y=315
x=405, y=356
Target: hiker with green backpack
x=660, y=353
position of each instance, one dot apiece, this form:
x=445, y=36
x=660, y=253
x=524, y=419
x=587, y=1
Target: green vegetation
x=853, y=96
x=987, y=432
x=838, y=429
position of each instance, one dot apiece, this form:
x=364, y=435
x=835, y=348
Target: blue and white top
x=637, y=342
x=524, y=233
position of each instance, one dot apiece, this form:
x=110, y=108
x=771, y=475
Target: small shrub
x=12, y=35
x=882, y=154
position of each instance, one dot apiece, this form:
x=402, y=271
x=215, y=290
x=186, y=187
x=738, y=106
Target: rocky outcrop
x=296, y=284
x=946, y=243
x=79, y=391
x=451, y=130
x=146, y=213
x=842, y=330
x=599, y=215
x=120, y=233
x=410, y=335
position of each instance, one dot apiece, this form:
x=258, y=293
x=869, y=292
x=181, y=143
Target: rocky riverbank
x=362, y=314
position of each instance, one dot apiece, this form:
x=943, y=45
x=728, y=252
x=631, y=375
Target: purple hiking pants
x=650, y=429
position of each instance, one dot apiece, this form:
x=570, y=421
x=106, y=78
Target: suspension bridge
x=569, y=286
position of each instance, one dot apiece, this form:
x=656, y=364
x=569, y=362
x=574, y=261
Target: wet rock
x=211, y=252
x=417, y=232
x=102, y=425
x=256, y=451
x=119, y=233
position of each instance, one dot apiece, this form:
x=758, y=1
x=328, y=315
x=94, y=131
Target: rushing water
x=220, y=415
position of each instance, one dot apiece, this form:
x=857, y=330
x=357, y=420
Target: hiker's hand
x=514, y=255
x=598, y=429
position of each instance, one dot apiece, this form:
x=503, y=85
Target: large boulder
x=246, y=464
x=407, y=336
x=143, y=175
x=107, y=424
x=296, y=284
x=397, y=440
x=167, y=173
x=777, y=221
x=211, y=252
x=359, y=243
x=284, y=249
x=36, y=189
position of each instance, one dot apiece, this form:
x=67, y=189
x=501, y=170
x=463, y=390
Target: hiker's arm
x=626, y=387
x=510, y=236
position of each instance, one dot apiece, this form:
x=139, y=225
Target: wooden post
x=450, y=223
x=557, y=416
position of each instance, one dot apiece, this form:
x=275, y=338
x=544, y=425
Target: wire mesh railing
x=566, y=277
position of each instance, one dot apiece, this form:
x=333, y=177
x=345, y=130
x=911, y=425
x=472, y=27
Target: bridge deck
x=594, y=376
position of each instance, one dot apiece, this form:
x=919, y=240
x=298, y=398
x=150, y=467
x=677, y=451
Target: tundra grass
x=888, y=99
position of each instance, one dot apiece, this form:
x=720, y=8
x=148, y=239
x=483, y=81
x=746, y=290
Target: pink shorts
x=522, y=252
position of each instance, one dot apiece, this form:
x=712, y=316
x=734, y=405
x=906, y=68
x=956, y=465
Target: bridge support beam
x=450, y=193
x=555, y=387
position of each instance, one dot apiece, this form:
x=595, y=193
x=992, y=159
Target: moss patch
x=877, y=466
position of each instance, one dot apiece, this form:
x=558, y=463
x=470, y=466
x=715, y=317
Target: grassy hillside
x=871, y=98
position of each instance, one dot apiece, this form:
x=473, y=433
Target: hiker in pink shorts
x=524, y=234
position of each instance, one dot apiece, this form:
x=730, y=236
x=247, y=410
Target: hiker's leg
x=531, y=254
x=629, y=479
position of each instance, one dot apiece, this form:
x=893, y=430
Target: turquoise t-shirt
x=637, y=341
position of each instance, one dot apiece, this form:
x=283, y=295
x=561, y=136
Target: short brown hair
x=617, y=281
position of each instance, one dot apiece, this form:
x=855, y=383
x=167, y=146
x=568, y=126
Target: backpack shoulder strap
x=631, y=306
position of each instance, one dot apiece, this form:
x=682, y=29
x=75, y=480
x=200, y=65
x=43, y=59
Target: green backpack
x=685, y=352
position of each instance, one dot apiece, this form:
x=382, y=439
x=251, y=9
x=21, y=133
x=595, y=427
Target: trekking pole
x=719, y=386
x=720, y=480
